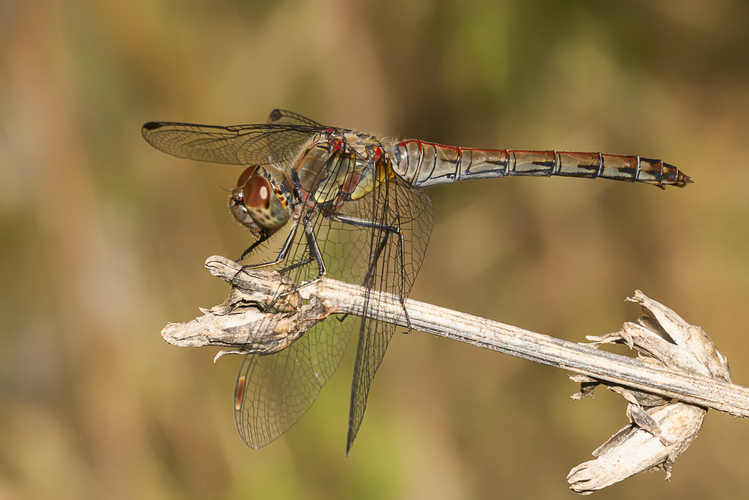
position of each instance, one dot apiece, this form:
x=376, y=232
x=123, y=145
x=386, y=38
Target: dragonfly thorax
x=338, y=166
x=258, y=204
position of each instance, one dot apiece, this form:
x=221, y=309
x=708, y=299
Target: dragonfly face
x=258, y=204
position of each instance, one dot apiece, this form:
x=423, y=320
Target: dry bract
x=660, y=429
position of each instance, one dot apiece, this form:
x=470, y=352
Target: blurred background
x=103, y=239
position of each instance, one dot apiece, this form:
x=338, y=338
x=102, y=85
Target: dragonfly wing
x=236, y=144
x=393, y=263
x=284, y=117
x=279, y=388
x=273, y=392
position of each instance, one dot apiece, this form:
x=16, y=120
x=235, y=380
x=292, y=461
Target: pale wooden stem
x=345, y=298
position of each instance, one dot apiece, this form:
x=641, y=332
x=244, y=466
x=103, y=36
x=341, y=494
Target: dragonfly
x=352, y=208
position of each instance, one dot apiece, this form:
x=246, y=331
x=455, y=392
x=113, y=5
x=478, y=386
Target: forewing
x=394, y=262
x=236, y=145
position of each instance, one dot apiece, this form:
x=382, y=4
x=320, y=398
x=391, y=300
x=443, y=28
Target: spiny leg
x=282, y=254
x=314, y=251
x=315, y=255
x=366, y=223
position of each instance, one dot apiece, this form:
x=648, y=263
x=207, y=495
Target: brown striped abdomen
x=429, y=164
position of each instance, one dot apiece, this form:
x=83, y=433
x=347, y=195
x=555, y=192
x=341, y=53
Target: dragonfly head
x=258, y=204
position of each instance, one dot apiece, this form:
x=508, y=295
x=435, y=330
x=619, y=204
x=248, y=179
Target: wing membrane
x=236, y=144
x=281, y=387
x=380, y=246
x=394, y=262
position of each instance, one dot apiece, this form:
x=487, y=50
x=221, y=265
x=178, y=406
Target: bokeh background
x=103, y=239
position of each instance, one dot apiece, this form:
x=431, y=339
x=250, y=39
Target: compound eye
x=248, y=172
x=256, y=193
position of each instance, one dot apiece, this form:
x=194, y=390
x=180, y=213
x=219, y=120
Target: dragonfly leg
x=358, y=222
x=315, y=255
x=314, y=251
x=281, y=254
x=251, y=248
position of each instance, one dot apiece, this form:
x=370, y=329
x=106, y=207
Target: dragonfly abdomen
x=428, y=164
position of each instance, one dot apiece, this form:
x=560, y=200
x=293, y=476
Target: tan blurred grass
x=103, y=238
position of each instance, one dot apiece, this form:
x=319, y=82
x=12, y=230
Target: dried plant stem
x=613, y=368
x=344, y=298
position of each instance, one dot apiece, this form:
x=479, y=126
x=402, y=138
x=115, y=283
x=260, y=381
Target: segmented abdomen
x=429, y=164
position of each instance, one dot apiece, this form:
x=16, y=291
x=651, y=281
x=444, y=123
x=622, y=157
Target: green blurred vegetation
x=102, y=239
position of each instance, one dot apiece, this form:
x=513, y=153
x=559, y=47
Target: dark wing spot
x=151, y=126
